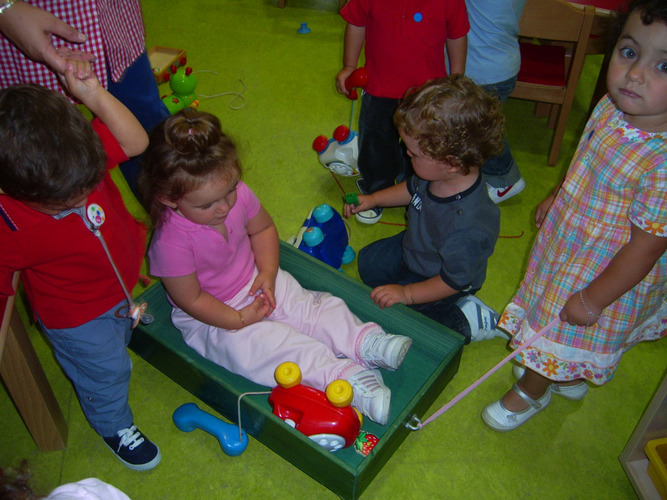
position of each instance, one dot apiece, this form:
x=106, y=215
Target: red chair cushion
x=542, y=64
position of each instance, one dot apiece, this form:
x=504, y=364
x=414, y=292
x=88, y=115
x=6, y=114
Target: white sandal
x=501, y=419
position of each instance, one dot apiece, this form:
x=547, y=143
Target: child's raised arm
x=82, y=83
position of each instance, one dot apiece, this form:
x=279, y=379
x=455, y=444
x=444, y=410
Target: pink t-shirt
x=181, y=247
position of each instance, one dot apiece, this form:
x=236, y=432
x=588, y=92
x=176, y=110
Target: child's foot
x=370, y=216
x=574, y=392
x=134, y=449
x=498, y=195
x=482, y=319
x=500, y=418
x=371, y=397
x=385, y=350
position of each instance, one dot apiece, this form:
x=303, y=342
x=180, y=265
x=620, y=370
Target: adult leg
x=138, y=91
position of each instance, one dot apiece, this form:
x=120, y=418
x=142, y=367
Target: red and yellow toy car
x=326, y=418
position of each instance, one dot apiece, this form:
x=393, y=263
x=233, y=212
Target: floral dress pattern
x=618, y=178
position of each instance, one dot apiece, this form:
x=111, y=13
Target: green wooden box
x=429, y=366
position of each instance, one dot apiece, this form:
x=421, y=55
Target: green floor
x=569, y=451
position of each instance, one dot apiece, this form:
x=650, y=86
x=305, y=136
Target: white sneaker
x=371, y=396
x=385, y=350
x=501, y=194
x=482, y=319
x=370, y=216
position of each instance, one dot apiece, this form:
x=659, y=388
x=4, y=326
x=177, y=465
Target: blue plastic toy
x=188, y=417
x=324, y=236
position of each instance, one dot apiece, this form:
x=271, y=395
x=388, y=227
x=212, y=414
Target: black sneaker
x=135, y=450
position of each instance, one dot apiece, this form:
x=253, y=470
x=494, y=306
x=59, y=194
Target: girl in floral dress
x=599, y=261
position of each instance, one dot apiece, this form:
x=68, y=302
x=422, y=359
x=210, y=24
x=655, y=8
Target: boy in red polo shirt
x=65, y=227
x=405, y=46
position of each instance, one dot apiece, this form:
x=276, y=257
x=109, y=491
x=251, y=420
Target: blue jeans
x=381, y=263
x=138, y=91
x=382, y=156
x=94, y=357
x=501, y=171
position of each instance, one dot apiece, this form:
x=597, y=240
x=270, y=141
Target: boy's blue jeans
x=381, y=263
x=501, y=171
x=94, y=357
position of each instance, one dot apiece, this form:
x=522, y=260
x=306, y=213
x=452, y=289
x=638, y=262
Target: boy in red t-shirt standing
x=65, y=227
x=405, y=46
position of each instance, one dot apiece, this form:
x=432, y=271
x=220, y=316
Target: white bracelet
x=5, y=6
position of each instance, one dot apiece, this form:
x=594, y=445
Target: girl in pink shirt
x=216, y=250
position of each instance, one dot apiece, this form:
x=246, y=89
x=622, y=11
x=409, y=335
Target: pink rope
x=474, y=385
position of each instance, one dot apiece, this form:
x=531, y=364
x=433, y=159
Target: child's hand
x=579, y=310
x=266, y=283
x=388, y=295
x=341, y=77
x=366, y=202
x=79, y=79
x=259, y=309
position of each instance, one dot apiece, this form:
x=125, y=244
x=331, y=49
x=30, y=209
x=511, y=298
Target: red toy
x=358, y=78
x=326, y=418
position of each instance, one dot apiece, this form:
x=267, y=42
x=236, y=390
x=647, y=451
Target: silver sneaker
x=385, y=350
x=371, y=397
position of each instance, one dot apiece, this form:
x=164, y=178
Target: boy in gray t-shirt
x=450, y=126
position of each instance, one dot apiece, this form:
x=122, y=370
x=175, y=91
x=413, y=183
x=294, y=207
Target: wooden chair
x=553, y=36
x=26, y=383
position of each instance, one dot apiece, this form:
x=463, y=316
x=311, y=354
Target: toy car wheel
x=287, y=375
x=330, y=442
x=340, y=393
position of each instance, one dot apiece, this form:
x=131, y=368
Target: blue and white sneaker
x=134, y=449
x=482, y=319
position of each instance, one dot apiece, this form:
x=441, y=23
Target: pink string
x=474, y=385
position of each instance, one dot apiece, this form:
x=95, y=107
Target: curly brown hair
x=184, y=153
x=453, y=120
x=50, y=152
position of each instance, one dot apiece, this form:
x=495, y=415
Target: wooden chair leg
x=28, y=386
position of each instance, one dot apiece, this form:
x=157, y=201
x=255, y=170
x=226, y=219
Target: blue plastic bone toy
x=324, y=236
x=188, y=417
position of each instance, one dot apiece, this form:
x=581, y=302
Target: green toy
x=182, y=84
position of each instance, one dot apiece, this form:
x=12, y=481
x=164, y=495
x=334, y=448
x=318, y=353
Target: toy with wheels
x=189, y=417
x=326, y=418
x=182, y=84
x=339, y=154
x=324, y=236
